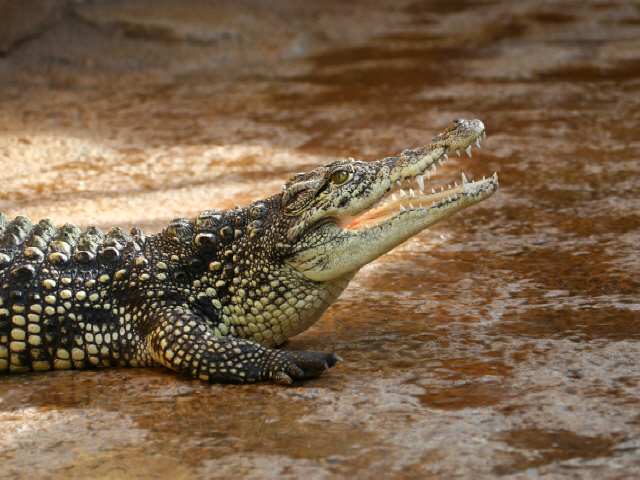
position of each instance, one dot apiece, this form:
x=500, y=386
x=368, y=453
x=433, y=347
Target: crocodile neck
x=230, y=268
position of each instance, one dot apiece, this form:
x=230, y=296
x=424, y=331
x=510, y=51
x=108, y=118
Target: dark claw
x=332, y=359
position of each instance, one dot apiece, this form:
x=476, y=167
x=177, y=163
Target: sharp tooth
x=384, y=222
x=466, y=189
x=402, y=209
x=445, y=156
x=483, y=178
x=468, y=150
x=420, y=181
x=477, y=142
x=458, y=152
x=441, y=189
x=433, y=191
x=394, y=216
x=375, y=205
x=440, y=162
x=411, y=207
x=382, y=199
x=402, y=194
x=449, y=186
x=421, y=207
x=456, y=184
x=399, y=182
x=434, y=166
x=484, y=134
x=428, y=174
x=450, y=199
x=495, y=176
x=421, y=193
x=434, y=204
x=394, y=198
x=464, y=178
x=411, y=194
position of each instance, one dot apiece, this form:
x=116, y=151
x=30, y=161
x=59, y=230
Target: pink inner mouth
x=397, y=205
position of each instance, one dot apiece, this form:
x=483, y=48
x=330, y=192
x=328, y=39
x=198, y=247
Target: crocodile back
x=55, y=295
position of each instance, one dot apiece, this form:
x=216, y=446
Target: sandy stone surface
x=502, y=342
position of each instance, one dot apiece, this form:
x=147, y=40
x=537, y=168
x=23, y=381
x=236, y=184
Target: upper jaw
x=392, y=206
x=414, y=163
x=407, y=171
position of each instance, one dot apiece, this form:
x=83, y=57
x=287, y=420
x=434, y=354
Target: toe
x=281, y=378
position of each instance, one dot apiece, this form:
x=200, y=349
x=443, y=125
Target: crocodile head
x=346, y=214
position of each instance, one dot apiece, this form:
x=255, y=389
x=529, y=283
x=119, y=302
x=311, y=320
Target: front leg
x=182, y=341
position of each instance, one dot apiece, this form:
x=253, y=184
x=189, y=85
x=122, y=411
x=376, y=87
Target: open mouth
x=397, y=202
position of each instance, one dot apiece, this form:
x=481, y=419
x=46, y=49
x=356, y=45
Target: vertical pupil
x=339, y=177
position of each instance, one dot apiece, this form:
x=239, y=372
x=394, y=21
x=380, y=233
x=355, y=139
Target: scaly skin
x=211, y=298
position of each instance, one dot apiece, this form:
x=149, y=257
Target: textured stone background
x=502, y=342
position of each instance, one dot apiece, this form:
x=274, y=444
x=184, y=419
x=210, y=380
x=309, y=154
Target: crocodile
x=212, y=298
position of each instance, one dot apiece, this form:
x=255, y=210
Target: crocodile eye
x=339, y=177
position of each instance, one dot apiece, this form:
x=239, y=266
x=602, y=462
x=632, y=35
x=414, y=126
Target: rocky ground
x=502, y=342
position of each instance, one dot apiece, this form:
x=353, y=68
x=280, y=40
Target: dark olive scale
x=117, y=236
x=14, y=235
x=181, y=228
x=109, y=254
x=84, y=256
x=206, y=229
x=115, y=241
x=92, y=235
x=258, y=210
x=42, y=232
x=180, y=276
x=228, y=270
x=195, y=264
x=206, y=241
x=226, y=234
x=209, y=220
x=68, y=233
x=23, y=273
x=255, y=229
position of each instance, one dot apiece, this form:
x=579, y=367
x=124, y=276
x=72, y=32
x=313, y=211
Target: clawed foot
x=289, y=366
